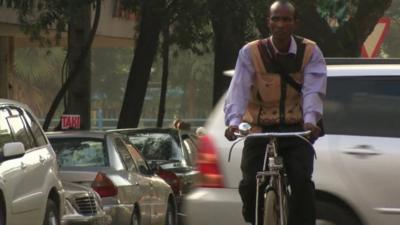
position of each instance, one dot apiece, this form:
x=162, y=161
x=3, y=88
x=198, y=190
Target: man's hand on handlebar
x=315, y=131
x=230, y=132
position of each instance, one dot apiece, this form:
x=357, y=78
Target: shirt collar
x=292, y=48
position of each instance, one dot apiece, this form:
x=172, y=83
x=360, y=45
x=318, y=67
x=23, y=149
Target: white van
x=358, y=160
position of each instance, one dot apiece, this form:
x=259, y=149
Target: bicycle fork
x=275, y=181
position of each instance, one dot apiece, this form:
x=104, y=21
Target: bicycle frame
x=275, y=167
x=276, y=176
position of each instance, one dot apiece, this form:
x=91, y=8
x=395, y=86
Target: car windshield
x=78, y=152
x=156, y=146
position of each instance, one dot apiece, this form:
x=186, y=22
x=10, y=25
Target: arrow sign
x=372, y=45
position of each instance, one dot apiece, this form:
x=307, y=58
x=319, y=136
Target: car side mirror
x=13, y=150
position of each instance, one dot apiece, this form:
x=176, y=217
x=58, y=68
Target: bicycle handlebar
x=275, y=134
x=245, y=133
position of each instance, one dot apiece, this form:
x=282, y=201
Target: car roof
x=76, y=134
x=364, y=70
x=146, y=130
x=355, y=70
x=4, y=101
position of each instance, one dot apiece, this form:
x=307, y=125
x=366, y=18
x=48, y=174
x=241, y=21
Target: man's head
x=282, y=19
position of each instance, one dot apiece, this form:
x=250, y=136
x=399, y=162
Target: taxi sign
x=70, y=121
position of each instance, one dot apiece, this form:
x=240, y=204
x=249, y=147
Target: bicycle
x=276, y=192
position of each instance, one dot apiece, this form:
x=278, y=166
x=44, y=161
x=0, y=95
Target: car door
x=364, y=120
x=11, y=173
x=158, y=203
x=141, y=186
x=31, y=194
x=189, y=147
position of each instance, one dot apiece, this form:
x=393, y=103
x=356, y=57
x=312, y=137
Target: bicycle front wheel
x=271, y=208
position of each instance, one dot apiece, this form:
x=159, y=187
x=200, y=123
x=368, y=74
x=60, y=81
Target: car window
x=36, y=130
x=140, y=161
x=5, y=131
x=190, y=148
x=80, y=152
x=125, y=155
x=19, y=129
x=367, y=106
x=156, y=146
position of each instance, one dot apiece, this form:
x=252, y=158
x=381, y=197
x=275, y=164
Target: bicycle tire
x=271, y=208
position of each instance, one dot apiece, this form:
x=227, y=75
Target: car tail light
x=104, y=186
x=207, y=163
x=171, y=179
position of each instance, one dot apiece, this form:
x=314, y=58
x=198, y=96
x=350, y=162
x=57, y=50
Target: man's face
x=281, y=21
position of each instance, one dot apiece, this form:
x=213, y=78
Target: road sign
x=372, y=45
x=70, y=121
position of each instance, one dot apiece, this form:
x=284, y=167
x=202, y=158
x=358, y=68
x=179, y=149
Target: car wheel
x=170, y=217
x=332, y=214
x=2, y=212
x=135, y=217
x=271, y=210
x=51, y=217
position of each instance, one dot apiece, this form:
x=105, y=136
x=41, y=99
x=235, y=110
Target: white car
x=30, y=191
x=358, y=160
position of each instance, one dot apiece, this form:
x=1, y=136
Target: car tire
x=170, y=217
x=271, y=210
x=135, y=217
x=2, y=212
x=329, y=213
x=51, y=216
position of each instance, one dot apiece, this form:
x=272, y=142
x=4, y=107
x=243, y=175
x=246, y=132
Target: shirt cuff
x=310, y=117
x=235, y=121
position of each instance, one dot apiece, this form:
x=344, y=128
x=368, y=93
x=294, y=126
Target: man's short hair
x=284, y=2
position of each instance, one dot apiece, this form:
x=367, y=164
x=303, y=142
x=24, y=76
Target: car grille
x=86, y=205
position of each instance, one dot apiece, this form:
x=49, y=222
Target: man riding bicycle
x=278, y=86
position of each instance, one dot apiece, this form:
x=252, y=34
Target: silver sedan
x=131, y=192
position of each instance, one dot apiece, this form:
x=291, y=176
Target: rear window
x=366, y=106
x=156, y=146
x=80, y=152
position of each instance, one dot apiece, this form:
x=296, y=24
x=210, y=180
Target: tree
x=186, y=18
x=230, y=22
x=391, y=46
x=190, y=31
x=151, y=15
x=38, y=17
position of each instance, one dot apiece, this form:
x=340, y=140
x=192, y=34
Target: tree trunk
x=146, y=48
x=78, y=97
x=74, y=71
x=6, y=59
x=164, y=79
x=229, y=25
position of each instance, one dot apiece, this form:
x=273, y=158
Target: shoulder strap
x=268, y=55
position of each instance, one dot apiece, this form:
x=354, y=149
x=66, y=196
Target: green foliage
x=38, y=17
x=336, y=12
x=189, y=24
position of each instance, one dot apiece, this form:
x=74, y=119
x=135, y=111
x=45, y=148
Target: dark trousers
x=298, y=159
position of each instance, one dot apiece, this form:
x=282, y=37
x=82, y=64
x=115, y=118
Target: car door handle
x=41, y=159
x=23, y=166
x=362, y=150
